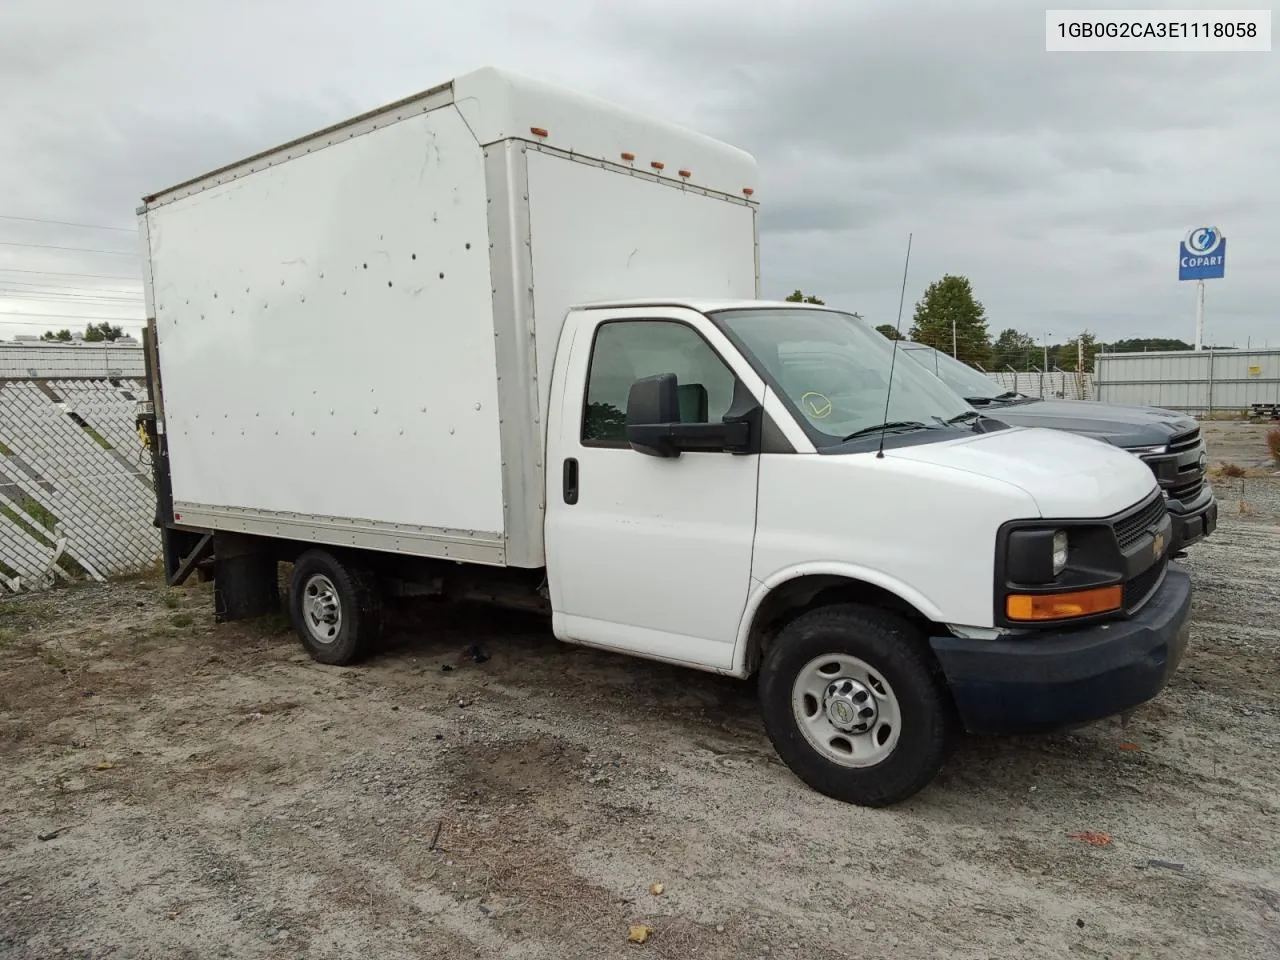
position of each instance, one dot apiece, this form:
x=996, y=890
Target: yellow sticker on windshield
x=819, y=407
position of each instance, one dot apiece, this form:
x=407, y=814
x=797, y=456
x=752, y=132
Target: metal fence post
x=1210, y=383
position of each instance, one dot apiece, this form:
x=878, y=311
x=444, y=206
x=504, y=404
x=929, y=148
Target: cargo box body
x=355, y=332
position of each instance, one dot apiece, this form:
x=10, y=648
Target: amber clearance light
x=1059, y=606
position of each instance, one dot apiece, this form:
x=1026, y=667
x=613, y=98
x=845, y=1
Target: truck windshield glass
x=960, y=377
x=833, y=371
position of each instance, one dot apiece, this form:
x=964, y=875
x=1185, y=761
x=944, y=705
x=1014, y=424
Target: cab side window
x=629, y=350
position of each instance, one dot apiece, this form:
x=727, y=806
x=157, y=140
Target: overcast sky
x=1059, y=183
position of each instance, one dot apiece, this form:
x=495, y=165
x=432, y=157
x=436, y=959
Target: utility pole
x=953, y=338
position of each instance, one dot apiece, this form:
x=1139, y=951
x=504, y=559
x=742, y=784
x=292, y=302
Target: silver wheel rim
x=846, y=710
x=321, y=609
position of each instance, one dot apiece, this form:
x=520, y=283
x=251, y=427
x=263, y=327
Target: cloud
x=1059, y=183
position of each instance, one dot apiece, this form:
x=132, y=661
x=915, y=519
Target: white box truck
x=502, y=341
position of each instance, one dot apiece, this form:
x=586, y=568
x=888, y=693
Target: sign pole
x=1199, y=314
x=1202, y=256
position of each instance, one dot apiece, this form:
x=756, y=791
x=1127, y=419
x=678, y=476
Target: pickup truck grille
x=1186, y=441
x=1131, y=529
x=1178, y=470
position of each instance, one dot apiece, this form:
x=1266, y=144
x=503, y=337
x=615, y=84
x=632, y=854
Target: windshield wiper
x=962, y=417
x=891, y=425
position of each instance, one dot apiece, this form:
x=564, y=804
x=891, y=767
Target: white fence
x=1194, y=381
x=27, y=360
x=1056, y=384
x=76, y=496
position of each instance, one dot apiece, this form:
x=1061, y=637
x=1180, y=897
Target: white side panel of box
x=600, y=233
x=327, y=345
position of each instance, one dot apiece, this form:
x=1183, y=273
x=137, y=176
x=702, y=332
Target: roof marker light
x=539, y=131
x=748, y=191
x=686, y=173
x=657, y=164
x=628, y=157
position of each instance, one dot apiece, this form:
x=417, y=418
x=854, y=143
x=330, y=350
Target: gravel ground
x=172, y=789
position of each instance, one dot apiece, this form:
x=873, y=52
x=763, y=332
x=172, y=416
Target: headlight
x=1149, y=451
x=1059, y=551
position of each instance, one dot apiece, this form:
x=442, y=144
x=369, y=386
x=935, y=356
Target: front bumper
x=1191, y=525
x=1051, y=680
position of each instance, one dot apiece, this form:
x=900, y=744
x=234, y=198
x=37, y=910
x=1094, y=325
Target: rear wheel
x=855, y=705
x=335, y=608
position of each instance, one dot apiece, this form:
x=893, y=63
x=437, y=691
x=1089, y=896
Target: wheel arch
x=787, y=594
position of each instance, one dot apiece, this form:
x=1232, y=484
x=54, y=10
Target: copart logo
x=1202, y=241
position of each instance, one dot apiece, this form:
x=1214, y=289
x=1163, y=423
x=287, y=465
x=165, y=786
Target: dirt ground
x=173, y=789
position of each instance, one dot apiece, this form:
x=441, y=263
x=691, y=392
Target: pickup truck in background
x=503, y=342
x=1165, y=440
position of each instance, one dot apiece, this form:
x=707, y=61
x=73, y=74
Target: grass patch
x=172, y=601
x=73, y=566
x=8, y=571
x=182, y=620
x=5, y=450
x=1273, y=443
x=1230, y=470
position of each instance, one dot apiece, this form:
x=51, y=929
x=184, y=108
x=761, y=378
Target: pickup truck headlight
x=1153, y=451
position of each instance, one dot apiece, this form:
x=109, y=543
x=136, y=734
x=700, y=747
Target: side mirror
x=654, y=427
x=653, y=407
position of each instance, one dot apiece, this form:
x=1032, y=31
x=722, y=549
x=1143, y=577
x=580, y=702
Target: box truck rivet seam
x=708, y=479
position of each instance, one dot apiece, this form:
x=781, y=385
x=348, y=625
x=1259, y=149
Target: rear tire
x=335, y=608
x=856, y=706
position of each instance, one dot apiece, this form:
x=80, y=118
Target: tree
x=1142, y=344
x=1067, y=356
x=98, y=332
x=799, y=297
x=1016, y=349
x=62, y=336
x=890, y=331
x=949, y=305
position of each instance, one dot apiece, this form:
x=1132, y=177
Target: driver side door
x=647, y=554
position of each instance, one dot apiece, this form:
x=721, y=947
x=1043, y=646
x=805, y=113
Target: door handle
x=571, y=480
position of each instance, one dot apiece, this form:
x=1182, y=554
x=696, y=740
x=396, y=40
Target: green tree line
x=951, y=319
x=93, y=333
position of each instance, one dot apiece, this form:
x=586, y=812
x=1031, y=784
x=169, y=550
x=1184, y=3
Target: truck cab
x=734, y=487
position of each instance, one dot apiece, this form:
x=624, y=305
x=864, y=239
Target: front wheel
x=854, y=705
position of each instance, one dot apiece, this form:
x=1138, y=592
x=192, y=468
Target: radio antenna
x=884, y=424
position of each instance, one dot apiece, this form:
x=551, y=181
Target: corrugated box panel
x=1197, y=382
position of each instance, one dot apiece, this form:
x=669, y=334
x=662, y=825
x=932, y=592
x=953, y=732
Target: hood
x=1069, y=477
x=1119, y=425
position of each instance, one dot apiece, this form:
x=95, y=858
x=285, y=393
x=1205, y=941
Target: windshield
x=833, y=371
x=960, y=377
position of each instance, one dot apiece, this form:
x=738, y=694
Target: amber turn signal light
x=1061, y=606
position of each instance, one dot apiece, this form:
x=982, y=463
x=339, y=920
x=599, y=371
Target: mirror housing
x=654, y=427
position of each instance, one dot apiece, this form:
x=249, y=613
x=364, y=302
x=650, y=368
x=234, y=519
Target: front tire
x=855, y=706
x=335, y=608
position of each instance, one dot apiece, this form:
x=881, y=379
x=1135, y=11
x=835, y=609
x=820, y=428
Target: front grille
x=1185, y=441
x=1189, y=490
x=1130, y=529
x=1137, y=590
